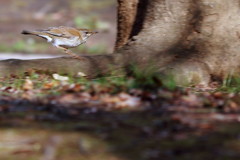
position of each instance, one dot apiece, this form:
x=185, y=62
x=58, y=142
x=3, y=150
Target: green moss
x=231, y=84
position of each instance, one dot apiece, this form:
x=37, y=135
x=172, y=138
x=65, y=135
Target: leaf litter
x=149, y=114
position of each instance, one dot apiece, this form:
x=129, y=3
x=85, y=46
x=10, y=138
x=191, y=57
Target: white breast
x=69, y=42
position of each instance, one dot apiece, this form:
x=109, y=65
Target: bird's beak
x=94, y=32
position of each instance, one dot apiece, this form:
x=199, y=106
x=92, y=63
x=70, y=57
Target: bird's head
x=86, y=32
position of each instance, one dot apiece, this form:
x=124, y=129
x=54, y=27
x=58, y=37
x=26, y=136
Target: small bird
x=63, y=37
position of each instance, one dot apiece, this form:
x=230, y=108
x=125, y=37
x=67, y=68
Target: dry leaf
x=28, y=84
x=81, y=74
x=59, y=77
x=122, y=100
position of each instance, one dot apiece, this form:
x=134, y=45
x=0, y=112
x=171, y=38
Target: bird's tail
x=26, y=32
x=30, y=32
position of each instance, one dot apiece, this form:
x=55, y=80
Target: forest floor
x=116, y=118
x=137, y=117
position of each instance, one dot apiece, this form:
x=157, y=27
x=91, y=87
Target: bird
x=63, y=37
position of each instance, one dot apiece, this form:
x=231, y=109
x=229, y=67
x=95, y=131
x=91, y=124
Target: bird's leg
x=71, y=53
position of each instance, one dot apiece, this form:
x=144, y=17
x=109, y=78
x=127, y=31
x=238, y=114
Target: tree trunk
x=195, y=41
x=126, y=16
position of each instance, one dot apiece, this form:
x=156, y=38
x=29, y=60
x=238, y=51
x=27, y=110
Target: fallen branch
x=90, y=66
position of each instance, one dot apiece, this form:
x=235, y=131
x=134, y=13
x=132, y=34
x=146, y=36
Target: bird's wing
x=58, y=32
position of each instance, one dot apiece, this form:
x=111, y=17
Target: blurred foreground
x=55, y=117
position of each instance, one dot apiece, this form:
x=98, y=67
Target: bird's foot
x=73, y=55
